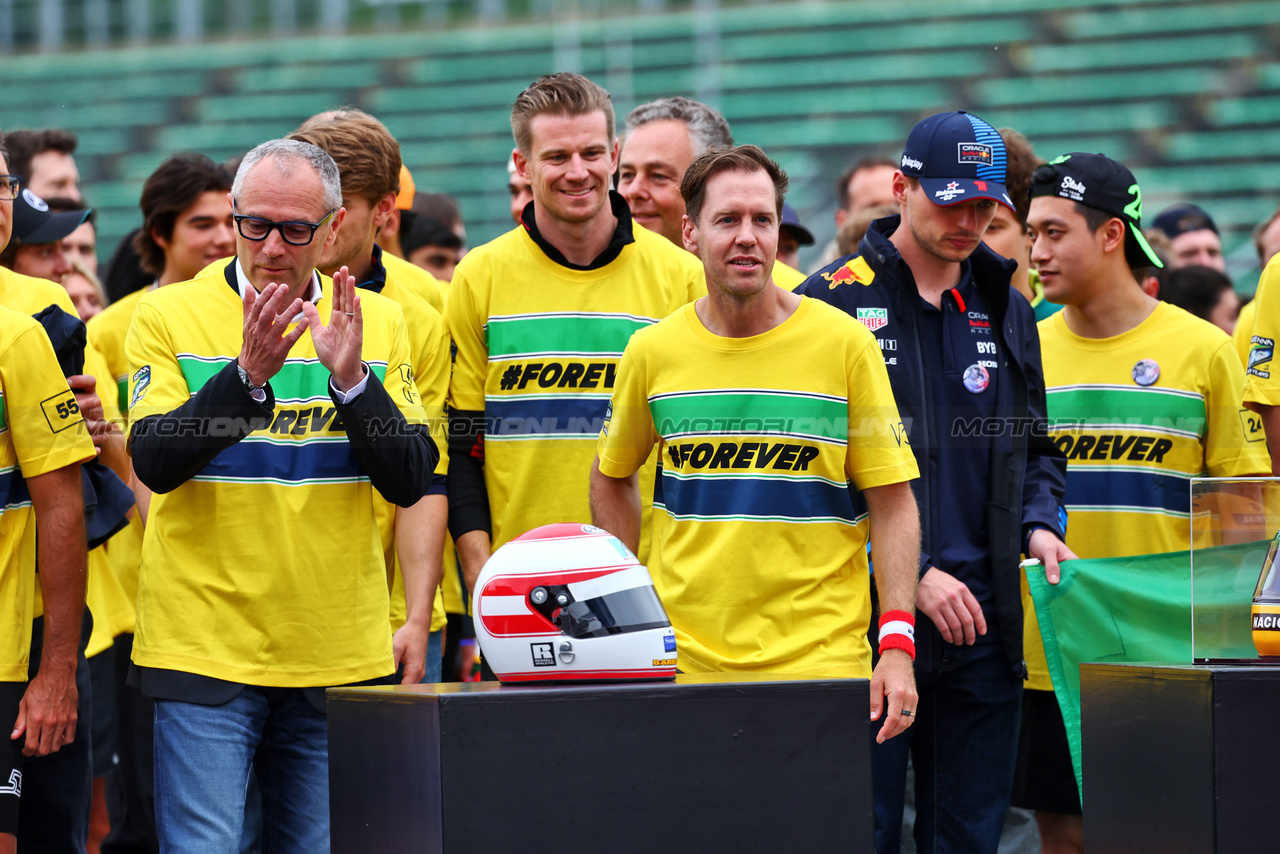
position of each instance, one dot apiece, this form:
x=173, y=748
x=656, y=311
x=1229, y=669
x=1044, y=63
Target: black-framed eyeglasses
x=9, y=186
x=257, y=229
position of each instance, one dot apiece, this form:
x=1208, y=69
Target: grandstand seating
x=1187, y=92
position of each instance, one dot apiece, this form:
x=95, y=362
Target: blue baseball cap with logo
x=957, y=157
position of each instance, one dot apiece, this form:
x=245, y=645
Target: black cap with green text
x=1097, y=181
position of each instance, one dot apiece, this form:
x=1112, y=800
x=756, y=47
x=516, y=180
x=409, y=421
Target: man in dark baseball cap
x=1119, y=367
x=35, y=249
x=956, y=157
x=1193, y=237
x=1105, y=185
x=960, y=348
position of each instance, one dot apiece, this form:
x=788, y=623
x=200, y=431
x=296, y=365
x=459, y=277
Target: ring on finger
x=907, y=713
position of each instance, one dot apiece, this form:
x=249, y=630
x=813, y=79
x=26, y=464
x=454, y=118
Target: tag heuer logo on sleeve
x=873, y=318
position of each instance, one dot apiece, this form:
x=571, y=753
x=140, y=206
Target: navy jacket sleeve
x=400, y=458
x=468, y=495
x=1045, y=484
x=170, y=449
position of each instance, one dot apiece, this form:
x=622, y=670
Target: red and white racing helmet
x=571, y=602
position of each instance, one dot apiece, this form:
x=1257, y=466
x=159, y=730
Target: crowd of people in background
x=381, y=406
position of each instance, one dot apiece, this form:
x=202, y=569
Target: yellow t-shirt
x=107, y=332
x=1131, y=447
x=787, y=278
x=416, y=279
x=266, y=567
x=40, y=431
x=1261, y=382
x=1243, y=334
x=429, y=343
x=538, y=345
x=759, y=545
x=109, y=602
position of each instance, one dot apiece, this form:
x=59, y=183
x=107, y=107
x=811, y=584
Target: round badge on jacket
x=976, y=379
x=1146, y=372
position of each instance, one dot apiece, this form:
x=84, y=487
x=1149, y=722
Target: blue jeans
x=202, y=761
x=964, y=745
x=435, y=663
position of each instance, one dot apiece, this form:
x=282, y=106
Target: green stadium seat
x=1154, y=52
x=873, y=39
x=1036, y=122
x=834, y=100
x=89, y=117
x=480, y=150
x=865, y=130
x=457, y=96
x=1260, y=109
x=1227, y=178
x=1072, y=88
x=279, y=106
x=408, y=127
x=906, y=66
x=1191, y=18
x=527, y=66
x=1222, y=145
x=458, y=180
x=235, y=137
x=313, y=75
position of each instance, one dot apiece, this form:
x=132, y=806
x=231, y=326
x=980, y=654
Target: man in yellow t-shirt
x=1142, y=396
x=42, y=443
x=760, y=552
x=368, y=159
x=263, y=576
x=540, y=317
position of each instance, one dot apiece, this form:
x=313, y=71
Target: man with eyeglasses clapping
x=266, y=404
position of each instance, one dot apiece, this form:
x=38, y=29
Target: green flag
x=1139, y=609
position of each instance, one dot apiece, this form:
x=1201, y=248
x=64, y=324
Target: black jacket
x=1028, y=472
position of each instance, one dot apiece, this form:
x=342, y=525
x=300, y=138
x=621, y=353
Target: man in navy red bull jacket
x=963, y=358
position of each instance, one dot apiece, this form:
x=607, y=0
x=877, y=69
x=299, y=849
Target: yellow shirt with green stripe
x=759, y=542
x=429, y=343
x=107, y=332
x=1132, y=449
x=40, y=431
x=266, y=567
x=109, y=600
x=538, y=346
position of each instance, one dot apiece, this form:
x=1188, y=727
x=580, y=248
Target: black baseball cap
x=1179, y=219
x=34, y=223
x=1097, y=181
x=957, y=157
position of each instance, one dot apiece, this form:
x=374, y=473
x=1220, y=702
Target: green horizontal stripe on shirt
x=298, y=379
x=1132, y=406
x=4, y=424
x=561, y=334
x=750, y=412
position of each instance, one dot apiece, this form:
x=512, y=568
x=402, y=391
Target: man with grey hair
x=266, y=404
x=663, y=138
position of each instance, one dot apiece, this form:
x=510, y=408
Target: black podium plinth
x=1179, y=758
x=710, y=762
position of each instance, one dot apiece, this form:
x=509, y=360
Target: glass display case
x=1235, y=580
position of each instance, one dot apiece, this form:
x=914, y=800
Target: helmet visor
x=633, y=610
